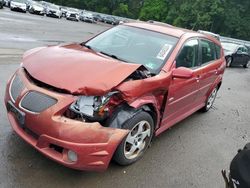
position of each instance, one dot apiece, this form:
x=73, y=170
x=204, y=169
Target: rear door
x=238, y=57
x=210, y=64
x=246, y=55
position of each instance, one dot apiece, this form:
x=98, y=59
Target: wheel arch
x=217, y=83
x=151, y=110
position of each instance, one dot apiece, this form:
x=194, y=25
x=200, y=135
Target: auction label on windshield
x=164, y=51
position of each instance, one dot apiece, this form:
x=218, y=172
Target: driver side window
x=188, y=56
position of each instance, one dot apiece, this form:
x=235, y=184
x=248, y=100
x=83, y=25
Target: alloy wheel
x=211, y=98
x=136, y=140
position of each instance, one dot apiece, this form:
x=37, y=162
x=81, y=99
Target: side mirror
x=182, y=72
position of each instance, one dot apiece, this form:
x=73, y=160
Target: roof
x=171, y=30
x=161, y=28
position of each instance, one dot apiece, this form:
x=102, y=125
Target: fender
x=150, y=100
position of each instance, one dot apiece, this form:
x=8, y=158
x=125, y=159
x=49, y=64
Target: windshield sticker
x=150, y=65
x=164, y=51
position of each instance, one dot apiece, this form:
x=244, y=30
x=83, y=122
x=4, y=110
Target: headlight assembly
x=94, y=108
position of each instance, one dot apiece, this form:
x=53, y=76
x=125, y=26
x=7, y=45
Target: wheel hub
x=136, y=139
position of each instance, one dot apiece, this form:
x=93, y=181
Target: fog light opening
x=72, y=156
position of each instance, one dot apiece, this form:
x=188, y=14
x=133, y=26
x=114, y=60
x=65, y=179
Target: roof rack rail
x=159, y=23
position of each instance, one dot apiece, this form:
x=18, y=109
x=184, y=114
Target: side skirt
x=170, y=121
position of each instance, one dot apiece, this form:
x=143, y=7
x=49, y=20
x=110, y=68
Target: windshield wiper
x=113, y=56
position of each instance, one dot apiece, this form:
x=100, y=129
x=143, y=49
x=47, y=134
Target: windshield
x=135, y=45
x=229, y=46
x=36, y=3
x=72, y=10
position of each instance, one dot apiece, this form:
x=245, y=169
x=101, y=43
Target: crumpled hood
x=76, y=69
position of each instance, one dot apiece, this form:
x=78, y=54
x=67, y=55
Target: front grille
x=37, y=102
x=44, y=85
x=16, y=87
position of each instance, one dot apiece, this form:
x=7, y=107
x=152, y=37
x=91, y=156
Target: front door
x=182, y=93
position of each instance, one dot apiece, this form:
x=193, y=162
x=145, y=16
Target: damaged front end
x=100, y=108
x=94, y=108
x=138, y=90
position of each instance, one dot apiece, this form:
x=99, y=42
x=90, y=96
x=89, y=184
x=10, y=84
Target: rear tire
x=247, y=64
x=135, y=144
x=210, y=100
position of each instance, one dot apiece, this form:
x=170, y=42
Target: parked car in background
x=111, y=20
x=53, y=11
x=124, y=20
x=87, y=17
x=1, y=3
x=72, y=14
x=36, y=8
x=236, y=54
x=45, y=3
x=210, y=34
x=98, y=18
x=64, y=11
x=28, y=3
x=18, y=5
x=7, y=3
x=84, y=104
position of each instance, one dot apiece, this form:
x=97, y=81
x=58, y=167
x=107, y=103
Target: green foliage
x=153, y=10
x=225, y=17
x=122, y=10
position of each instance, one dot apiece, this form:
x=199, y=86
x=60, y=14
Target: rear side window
x=245, y=50
x=218, y=51
x=188, y=56
x=208, y=52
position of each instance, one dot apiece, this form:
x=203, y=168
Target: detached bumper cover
x=49, y=130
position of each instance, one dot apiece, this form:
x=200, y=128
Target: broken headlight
x=93, y=108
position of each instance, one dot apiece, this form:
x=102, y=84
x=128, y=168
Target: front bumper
x=18, y=8
x=54, y=135
x=72, y=18
x=88, y=20
x=52, y=14
x=39, y=12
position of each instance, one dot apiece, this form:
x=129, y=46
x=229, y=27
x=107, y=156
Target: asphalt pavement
x=190, y=155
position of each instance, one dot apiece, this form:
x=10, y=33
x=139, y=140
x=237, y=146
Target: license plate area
x=19, y=115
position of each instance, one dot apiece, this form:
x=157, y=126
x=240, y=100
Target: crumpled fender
x=151, y=91
x=132, y=89
x=154, y=101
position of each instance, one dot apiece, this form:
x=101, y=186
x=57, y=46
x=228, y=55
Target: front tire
x=229, y=61
x=135, y=144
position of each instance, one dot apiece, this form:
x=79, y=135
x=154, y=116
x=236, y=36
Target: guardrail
x=227, y=39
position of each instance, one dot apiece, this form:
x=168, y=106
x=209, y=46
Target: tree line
x=226, y=17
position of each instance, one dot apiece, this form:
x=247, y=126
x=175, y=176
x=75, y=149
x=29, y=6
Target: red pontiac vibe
x=84, y=104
